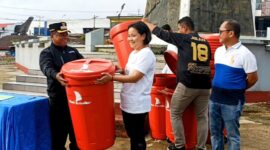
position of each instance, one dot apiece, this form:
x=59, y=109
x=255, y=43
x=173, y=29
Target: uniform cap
x=60, y=27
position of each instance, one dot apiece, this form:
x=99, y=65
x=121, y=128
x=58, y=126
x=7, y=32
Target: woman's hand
x=106, y=77
x=119, y=70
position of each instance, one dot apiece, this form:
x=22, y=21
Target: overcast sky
x=20, y=10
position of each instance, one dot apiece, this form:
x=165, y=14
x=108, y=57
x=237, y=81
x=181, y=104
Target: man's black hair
x=187, y=21
x=234, y=26
x=166, y=27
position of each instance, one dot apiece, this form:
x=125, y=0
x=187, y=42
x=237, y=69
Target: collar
x=235, y=46
x=58, y=47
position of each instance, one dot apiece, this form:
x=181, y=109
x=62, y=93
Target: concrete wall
x=93, y=38
x=207, y=14
x=258, y=48
x=166, y=11
x=27, y=52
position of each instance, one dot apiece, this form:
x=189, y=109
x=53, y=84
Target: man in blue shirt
x=235, y=71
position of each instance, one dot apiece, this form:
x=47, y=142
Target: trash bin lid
x=171, y=59
x=210, y=37
x=87, y=68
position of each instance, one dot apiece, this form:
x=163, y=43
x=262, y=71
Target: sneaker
x=172, y=147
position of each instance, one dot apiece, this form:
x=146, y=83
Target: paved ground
x=255, y=123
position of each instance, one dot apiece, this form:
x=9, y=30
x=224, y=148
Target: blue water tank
x=42, y=31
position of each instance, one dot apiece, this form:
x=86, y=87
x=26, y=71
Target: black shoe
x=168, y=141
x=172, y=147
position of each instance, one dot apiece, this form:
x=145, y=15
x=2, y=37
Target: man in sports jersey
x=235, y=71
x=193, y=77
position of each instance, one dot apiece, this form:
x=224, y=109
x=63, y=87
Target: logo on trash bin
x=167, y=106
x=157, y=103
x=78, y=100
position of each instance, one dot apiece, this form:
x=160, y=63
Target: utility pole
x=122, y=7
x=94, y=21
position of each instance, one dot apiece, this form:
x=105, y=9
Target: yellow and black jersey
x=194, y=54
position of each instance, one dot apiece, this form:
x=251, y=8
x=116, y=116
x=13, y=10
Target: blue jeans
x=220, y=116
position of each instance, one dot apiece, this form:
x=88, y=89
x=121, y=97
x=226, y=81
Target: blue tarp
x=24, y=123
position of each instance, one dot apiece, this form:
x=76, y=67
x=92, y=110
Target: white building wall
x=253, y=7
x=93, y=38
x=75, y=26
x=184, y=8
x=268, y=33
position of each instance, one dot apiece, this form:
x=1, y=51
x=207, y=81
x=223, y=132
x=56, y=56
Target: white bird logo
x=78, y=99
x=167, y=105
x=157, y=101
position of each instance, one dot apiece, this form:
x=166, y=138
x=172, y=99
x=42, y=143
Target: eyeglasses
x=221, y=31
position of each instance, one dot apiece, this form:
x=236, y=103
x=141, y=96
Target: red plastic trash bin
x=171, y=59
x=189, y=122
x=214, y=43
x=91, y=106
x=119, y=35
x=212, y=67
x=157, y=113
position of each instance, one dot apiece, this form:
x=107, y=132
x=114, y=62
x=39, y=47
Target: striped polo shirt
x=231, y=68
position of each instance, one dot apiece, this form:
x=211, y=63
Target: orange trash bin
x=91, y=106
x=214, y=43
x=171, y=59
x=213, y=40
x=119, y=35
x=189, y=122
x=157, y=113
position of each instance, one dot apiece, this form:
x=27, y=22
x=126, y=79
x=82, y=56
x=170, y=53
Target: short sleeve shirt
x=135, y=97
x=232, y=66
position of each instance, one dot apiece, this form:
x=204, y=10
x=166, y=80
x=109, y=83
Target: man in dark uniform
x=193, y=77
x=51, y=60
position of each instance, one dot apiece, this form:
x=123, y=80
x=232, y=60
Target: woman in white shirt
x=137, y=81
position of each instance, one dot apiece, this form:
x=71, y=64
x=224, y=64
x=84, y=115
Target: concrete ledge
x=35, y=72
x=257, y=96
x=31, y=79
x=24, y=92
x=29, y=87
